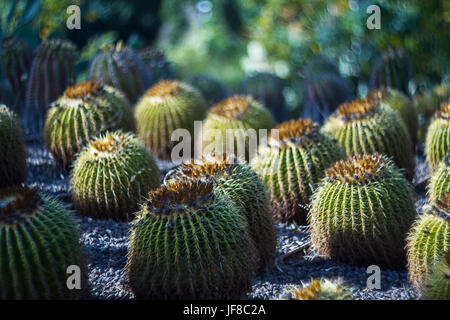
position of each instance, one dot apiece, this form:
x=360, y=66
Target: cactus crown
x=109, y=144
x=444, y=112
x=358, y=169
x=189, y=193
x=232, y=107
x=16, y=204
x=442, y=207
x=377, y=94
x=298, y=130
x=357, y=109
x=163, y=88
x=84, y=90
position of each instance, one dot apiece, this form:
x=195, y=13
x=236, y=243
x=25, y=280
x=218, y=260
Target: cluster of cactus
x=52, y=71
x=439, y=184
x=245, y=188
x=292, y=164
x=164, y=108
x=367, y=126
x=428, y=241
x=157, y=64
x=437, y=286
x=267, y=88
x=13, y=167
x=211, y=88
x=83, y=112
x=39, y=241
x=362, y=212
x=120, y=67
x=402, y=104
x=189, y=241
x=240, y=114
x=392, y=70
x=319, y=289
x=111, y=176
x=437, y=141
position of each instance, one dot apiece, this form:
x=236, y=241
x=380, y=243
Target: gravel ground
x=106, y=245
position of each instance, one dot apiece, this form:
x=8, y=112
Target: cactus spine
x=366, y=126
x=440, y=180
x=319, y=289
x=84, y=111
x=437, y=286
x=437, y=141
x=361, y=213
x=111, y=176
x=293, y=164
x=13, y=167
x=39, y=240
x=165, y=107
x=190, y=241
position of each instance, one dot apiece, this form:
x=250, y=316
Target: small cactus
x=245, y=188
x=52, y=71
x=111, y=176
x=362, y=211
x=366, y=126
x=165, y=107
x=392, y=70
x=120, y=67
x=211, y=88
x=83, y=112
x=437, y=287
x=319, y=289
x=39, y=241
x=157, y=64
x=13, y=167
x=189, y=241
x=240, y=113
x=401, y=103
x=293, y=164
x=428, y=240
x=440, y=180
x=437, y=141
x=267, y=88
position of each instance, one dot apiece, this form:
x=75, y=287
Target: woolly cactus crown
x=321, y=289
x=296, y=132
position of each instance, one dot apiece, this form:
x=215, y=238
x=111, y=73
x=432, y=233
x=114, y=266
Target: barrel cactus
x=362, y=212
x=13, y=167
x=366, y=126
x=189, y=241
x=319, y=289
x=428, y=240
x=267, y=88
x=166, y=107
x=211, y=88
x=243, y=115
x=120, y=67
x=392, y=70
x=39, y=241
x=84, y=111
x=292, y=164
x=437, y=286
x=111, y=176
x=440, y=180
x=157, y=64
x=437, y=141
x=52, y=71
x=402, y=104
x=245, y=188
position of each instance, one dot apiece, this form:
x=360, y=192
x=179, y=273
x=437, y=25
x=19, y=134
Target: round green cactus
x=366, y=126
x=319, y=289
x=245, y=188
x=13, y=167
x=39, y=241
x=292, y=164
x=440, y=180
x=428, y=241
x=84, y=111
x=401, y=103
x=437, y=287
x=437, y=141
x=362, y=212
x=241, y=114
x=189, y=241
x=166, y=107
x=111, y=176
x=120, y=67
